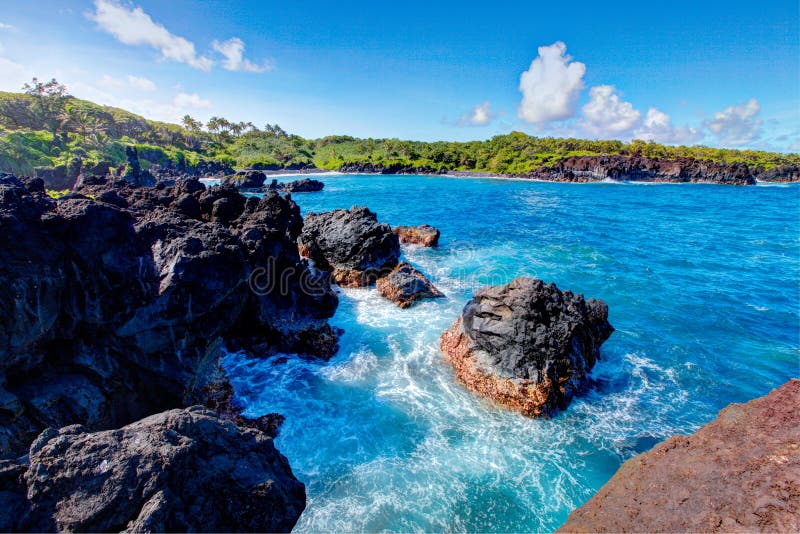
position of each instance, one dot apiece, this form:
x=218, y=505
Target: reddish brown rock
x=739, y=473
x=524, y=396
x=405, y=285
x=424, y=235
x=527, y=345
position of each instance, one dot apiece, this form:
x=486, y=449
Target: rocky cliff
x=116, y=299
x=739, y=473
x=633, y=168
x=181, y=470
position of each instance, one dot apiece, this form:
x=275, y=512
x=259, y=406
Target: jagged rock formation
x=173, y=172
x=254, y=180
x=304, y=185
x=181, y=470
x=781, y=173
x=633, y=168
x=423, y=234
x=117, y=306
x=405, y=286
x=393, y=168
x=739, y=473
x=527, y=345
x=246, y=179
x=642, y=169
x=60, y=177
x=351, y=244
x=133, y=171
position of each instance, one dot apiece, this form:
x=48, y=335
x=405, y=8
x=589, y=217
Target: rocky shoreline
x=118, y=302
x=583, y=169
x=121, y=296
x=738, y=473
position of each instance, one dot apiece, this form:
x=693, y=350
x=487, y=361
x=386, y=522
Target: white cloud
x=169, y=109
x=190, y=101
x=481, y=115
x=110, y=82
x=233, y=51
x=737, y=125
x=135, y=27
x=4, y=26
x=143, y=84
x=13, y=75
x=657, y=126
x=130, y=82
x=607, y=115
x=551, y=86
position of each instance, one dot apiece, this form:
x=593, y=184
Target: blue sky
x=716, y=73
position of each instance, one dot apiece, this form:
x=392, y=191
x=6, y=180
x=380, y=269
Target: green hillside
x=46, y=126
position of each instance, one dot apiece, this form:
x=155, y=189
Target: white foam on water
x=398, y=444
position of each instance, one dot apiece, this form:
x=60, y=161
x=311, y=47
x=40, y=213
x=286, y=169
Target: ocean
x=702, y=284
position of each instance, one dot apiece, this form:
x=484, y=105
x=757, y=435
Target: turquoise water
x=702, y=283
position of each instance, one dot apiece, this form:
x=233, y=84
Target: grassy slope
x=24, y=144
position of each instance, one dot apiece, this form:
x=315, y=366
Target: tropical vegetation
x=45, y=126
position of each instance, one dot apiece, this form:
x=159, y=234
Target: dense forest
x=45, y=126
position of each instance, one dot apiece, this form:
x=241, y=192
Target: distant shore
x=495, y=176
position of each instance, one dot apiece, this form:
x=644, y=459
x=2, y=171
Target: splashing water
x=702, y=284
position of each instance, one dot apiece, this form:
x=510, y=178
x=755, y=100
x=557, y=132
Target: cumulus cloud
x=4, y=26
x=481, y=115
x=657, y=126
x=233, y=51
x=134, y=82
x=190, y=101
x=143, y=84
x=737, y=125
x=110, y=82
x=168, y=109
x=551, y=86
x=606, y=114
x=135, y=27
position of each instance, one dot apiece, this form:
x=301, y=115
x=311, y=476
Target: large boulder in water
x=181, y=470
x=351, y=244
x=246, y=179
x=527, y=345
x=304, y=185
x=739, y=473
x=405, y=286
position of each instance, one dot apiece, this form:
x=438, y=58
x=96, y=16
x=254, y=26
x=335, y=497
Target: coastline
x=494, y=176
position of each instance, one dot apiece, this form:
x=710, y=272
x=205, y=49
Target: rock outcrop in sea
x=405, y=286
x=304, y=185
x=424, y=235
x=254, y=180
x=351, y=244
x=527, y=345
x=246, y=179
x=739, y=473
x=117, y=301
x=180, y=470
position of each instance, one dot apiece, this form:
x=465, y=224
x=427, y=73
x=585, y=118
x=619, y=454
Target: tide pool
x=702, y=284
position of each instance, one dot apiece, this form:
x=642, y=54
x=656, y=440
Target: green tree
x=50, y=100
